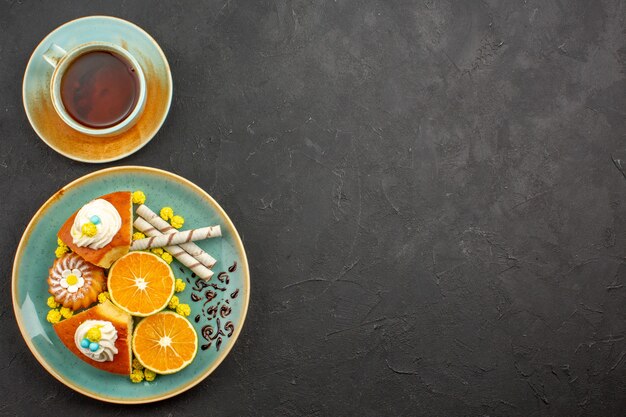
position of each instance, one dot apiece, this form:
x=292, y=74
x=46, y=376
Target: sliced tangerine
x=165, y=342
x=141, y=283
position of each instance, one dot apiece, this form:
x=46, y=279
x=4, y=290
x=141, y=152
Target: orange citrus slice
x=165, y=342
x=141, y=283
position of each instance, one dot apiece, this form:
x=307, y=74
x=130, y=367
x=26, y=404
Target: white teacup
x=61, y=59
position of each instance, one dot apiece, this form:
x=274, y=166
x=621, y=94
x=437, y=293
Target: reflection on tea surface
x=100, y=89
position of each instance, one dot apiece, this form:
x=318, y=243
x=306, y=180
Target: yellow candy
x=94, y=334
x=157, y=251
x=60, y=242
x=139, y=197
x=177, y=222
x=138, y=235
x=167, y=257
x=136, y=376
x=174, y=301
x=103, y=296
x=183, y=310
x=137, y=364
x=60, y=251
x=179, y=285
x=149, y=375
x=54, y=316
x=166, y=213
x=66, y=312
x=51, y=303
x=89, y=229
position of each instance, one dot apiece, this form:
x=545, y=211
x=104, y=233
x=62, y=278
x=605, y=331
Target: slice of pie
x=100, y=232
x=100, y=336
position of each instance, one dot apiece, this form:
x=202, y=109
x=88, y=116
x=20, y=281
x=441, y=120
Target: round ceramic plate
x=69, y=142
x=217, y=322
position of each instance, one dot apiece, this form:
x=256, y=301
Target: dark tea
x=99, y=89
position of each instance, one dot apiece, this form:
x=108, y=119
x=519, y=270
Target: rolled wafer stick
x=176, y=251
x=163, y=226
x=176, y=238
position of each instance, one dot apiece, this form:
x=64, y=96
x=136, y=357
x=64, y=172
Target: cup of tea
x=97, y=88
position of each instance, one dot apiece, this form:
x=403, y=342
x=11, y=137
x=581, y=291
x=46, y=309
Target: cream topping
x=109, y=223
x=106, y=345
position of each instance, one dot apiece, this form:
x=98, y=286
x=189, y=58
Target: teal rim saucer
x=76, y=145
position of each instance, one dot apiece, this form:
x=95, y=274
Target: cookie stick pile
x=187, y=252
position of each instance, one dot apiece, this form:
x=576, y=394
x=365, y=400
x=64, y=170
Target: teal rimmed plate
x=219, y=320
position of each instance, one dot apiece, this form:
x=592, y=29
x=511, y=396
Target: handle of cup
x=54, y=54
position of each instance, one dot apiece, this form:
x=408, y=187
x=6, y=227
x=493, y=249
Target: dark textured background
x=428, y=191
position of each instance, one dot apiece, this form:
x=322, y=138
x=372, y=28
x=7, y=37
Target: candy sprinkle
x=177, y=222
x=103, y=296
x=54, y=316
x=94, y=334
x=60, y=251
x=52, y=303
x=183, y=309
x=139, y=197
x=179, y=285
x=66, y=313
x=149, y=375
x=89, y=229
x=166, y=213
x=136, y=376
x=137, y=364
x=174, y=301
x=167, y=257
